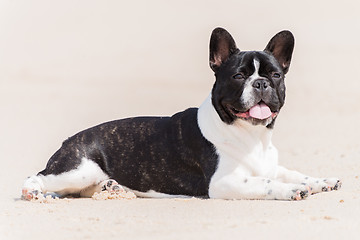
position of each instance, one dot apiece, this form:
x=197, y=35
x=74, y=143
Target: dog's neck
x=222, y=134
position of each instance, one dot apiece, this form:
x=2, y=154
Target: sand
x=70, y=65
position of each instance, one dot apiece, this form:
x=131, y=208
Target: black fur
x=232, y=62
x=164, y=154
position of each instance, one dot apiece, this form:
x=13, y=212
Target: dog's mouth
x=259, y=111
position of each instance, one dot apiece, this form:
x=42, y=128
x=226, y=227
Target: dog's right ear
x=222, y=45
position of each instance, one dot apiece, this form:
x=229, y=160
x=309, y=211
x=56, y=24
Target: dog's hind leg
x=86, y=175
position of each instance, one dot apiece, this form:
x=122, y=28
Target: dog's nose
x=261, y=84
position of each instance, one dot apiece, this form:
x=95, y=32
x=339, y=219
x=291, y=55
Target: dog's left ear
x=222, y=45
x=281, y=46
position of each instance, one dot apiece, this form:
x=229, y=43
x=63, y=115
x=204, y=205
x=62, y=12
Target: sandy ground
x=70, y=65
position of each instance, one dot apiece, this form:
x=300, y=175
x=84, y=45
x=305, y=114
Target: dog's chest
x=241, y=148
x=247, y=161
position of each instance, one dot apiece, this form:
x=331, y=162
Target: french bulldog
x=220, y=150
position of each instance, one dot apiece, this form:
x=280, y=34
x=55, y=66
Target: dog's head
x=249, y=84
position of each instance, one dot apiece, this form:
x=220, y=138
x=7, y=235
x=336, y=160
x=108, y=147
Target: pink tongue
x=260, y=111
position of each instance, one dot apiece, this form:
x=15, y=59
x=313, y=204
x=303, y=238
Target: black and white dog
x=221, y=150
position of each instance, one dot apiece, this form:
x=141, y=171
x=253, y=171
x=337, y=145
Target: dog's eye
x=276, y=75
x=239, y=76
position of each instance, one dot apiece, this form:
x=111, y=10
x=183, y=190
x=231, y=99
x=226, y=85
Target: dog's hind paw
x=110, y=189
x=39, y=197
x=112, y=186
x=29, y=195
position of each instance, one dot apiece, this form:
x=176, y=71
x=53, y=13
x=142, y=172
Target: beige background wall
x=69, y=65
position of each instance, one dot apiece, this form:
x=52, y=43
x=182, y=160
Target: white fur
x=247, y=95
x=241, y=142
x=248, y=162
x=87, y=174
x=244, y=150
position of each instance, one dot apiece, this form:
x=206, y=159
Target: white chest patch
x=244, y=150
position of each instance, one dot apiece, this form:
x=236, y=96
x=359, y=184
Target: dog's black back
x=163, y=154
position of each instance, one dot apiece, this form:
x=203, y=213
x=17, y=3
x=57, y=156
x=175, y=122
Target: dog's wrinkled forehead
x=250, y=62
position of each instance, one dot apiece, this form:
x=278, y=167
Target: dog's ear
x=281, y=47
x=222, y=45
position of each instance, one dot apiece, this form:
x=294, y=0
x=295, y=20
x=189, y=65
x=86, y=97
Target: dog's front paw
x=325, y=185
x=300, y=193
x=331, y=184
